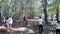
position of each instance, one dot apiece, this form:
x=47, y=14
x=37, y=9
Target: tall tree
x=57, y=10
x=0, y=14
x=44, y=2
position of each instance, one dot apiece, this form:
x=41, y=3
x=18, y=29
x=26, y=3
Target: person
x=40, y=20
x=9, y=24
x=52, y=24
x=25, y=20
x=10, y=20
x=57, y=27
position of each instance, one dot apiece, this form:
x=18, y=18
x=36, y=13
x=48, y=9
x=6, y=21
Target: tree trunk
x=57, y=14
x=0, y=12
x=57, y=9
x=0, y=15
x=45, y=11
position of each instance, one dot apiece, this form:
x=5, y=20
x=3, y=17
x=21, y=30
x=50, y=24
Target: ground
x=29, y=29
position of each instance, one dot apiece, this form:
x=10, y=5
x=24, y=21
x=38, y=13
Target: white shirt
x=10, y=21
x=52, y=23
x=40, y=21
x=57, y=26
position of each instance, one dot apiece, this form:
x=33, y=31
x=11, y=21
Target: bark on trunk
x=45, y=11
x=57, y=14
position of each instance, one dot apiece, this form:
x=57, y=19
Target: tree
x=57, y=10
x=0, y=14
x=44, y=2
x=29, y=8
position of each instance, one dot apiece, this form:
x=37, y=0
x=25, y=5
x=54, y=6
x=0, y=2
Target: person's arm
x=55, y=23
x=43, y=21
x=38, y=21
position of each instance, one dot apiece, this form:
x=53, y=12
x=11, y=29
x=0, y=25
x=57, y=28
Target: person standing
x=40, y=20
x=52, y=24
x=9, y=24
x=57, y=27
x=10, y=20
x=25, y=20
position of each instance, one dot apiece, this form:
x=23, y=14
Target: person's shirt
x=10, y=20
x=52, y=22
x=57, y=25
x=40, y=21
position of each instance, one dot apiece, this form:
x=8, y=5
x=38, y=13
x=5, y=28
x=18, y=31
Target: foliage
x=30, y=8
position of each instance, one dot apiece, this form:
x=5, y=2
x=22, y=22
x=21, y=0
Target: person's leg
x=7, y=24
x=39, y=29
x=59, y=31
x=26, y=23
x=52, y=27
x=10, y=26
x=56, y=31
